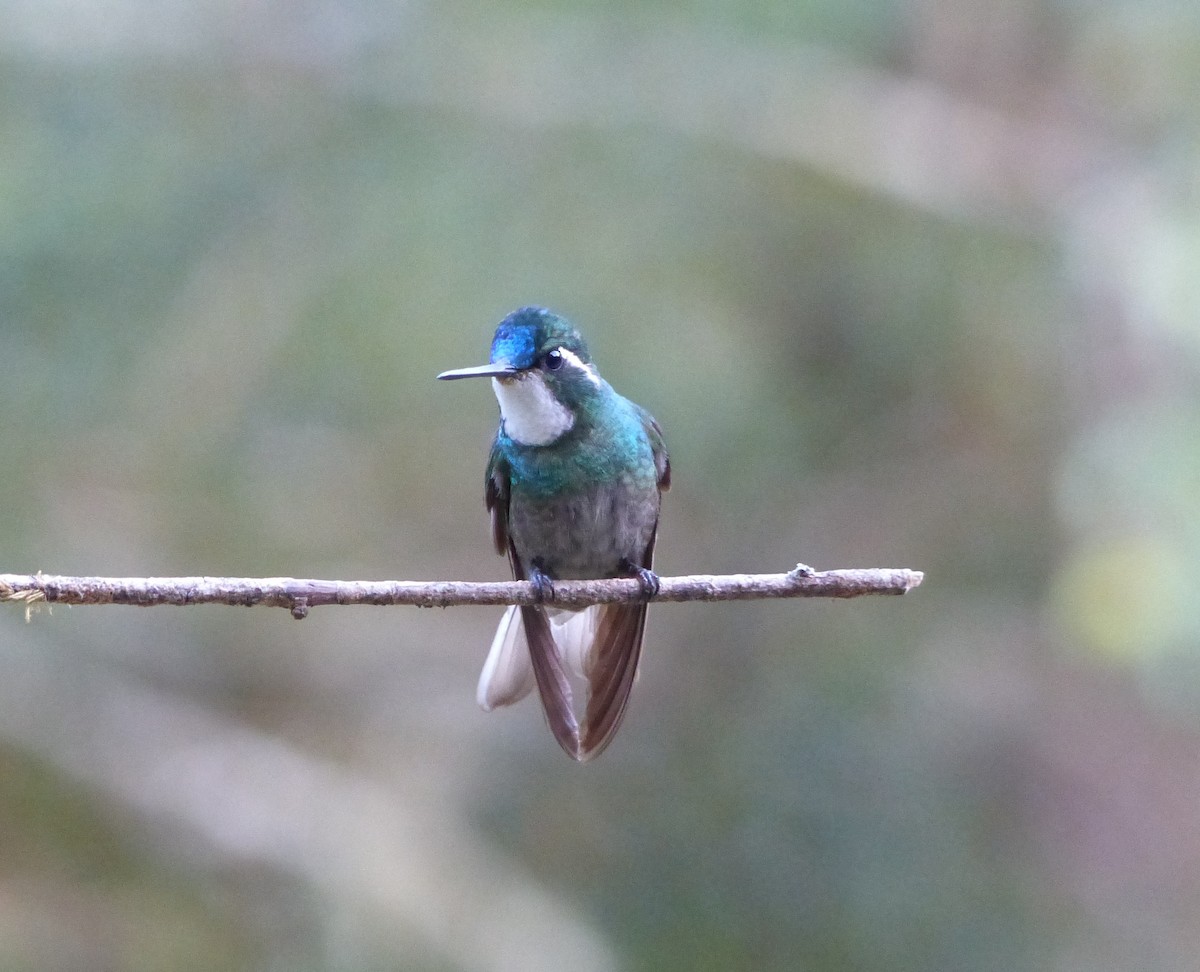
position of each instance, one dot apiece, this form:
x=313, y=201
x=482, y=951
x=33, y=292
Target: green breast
x=606, y=447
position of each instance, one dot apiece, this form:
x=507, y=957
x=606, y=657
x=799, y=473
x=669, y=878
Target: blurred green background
x=907, y=283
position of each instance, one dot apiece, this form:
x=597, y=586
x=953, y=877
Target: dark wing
x=495, y=496
x=618, y=644
x=553, y=685
x=658, y=445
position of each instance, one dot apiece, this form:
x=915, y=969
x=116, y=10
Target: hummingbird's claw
x=646, y=577
x=543, y=586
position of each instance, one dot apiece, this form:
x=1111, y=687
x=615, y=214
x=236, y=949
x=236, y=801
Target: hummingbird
x=573, y=486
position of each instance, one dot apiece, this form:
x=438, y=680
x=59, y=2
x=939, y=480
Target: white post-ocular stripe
x=571, y=358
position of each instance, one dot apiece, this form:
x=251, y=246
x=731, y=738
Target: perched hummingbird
x=572, y=484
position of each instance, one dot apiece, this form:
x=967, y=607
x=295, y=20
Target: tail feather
x=616, y=652
x=507, y=675
x=575, y=635
x=600, y=645
x=554, y=686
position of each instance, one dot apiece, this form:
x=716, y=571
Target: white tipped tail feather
x=507, y=675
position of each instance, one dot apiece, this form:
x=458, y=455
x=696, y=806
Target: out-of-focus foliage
x=906, y=284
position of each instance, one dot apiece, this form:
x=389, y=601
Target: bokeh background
x=906, y=282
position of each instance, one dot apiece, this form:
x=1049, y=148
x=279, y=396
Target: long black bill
x=479, y=371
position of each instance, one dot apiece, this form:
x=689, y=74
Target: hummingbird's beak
x=480, y=371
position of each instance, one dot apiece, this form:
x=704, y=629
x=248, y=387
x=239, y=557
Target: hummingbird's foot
x=646, y=577
x=543, y=586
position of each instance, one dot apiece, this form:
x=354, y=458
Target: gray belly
x=586, y=534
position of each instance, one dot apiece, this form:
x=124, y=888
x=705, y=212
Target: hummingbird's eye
x=553, y=360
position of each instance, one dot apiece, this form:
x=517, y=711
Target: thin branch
x=299, y=595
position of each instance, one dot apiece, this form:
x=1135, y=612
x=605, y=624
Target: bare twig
x=299, y=595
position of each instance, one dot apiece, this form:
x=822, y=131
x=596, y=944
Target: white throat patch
x=532, y=415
